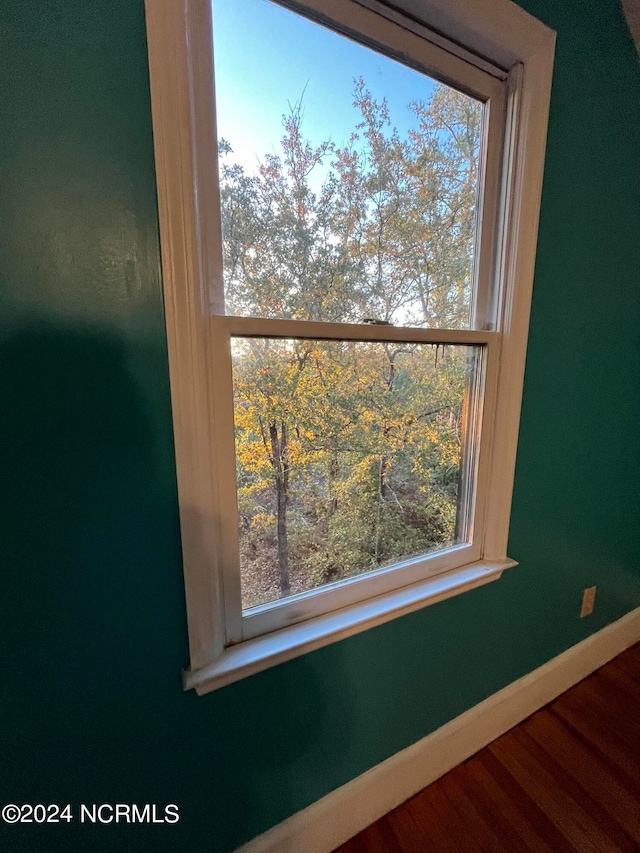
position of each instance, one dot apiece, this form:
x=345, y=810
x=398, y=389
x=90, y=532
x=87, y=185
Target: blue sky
x=266, y=55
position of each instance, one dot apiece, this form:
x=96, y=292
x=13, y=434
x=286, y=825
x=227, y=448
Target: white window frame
x=501, y=43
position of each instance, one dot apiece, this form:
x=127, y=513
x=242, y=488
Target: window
x=347, y=261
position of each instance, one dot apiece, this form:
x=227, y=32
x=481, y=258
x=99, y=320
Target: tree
x=348, y=453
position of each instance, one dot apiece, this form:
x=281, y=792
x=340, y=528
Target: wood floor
x=566, y=779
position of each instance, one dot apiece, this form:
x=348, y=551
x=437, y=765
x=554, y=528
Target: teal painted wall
x=93, y=631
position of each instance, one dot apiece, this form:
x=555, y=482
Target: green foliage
x=349, y=454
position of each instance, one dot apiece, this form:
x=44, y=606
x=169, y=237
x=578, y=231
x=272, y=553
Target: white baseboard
x=331, y=821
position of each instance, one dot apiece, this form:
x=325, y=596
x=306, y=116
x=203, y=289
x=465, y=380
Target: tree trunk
x=382, y=477
x=281, y=471
x=383, y=461
x=333, y=469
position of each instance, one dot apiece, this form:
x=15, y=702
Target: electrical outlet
x=588, y=601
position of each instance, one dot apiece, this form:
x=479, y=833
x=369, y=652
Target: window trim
x=179, y=39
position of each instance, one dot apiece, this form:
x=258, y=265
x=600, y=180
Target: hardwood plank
x=630, y=661
x=408, y=831
x=524, y=804
x=376, y=838
x=448, y=817
x=517, y=832
x=623, y=680
x=588, y=767
x=574, y=787
x=586, y=704
x=608, y=699
x=504, y=834
x=603, y=743
x=619, y=691
x=433, y=829
x=568, y=816
x=470, y=818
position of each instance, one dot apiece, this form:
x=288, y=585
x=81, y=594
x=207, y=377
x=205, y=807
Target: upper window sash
x=411, y=48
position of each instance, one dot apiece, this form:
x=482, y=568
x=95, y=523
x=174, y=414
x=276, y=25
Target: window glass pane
x=351, y=456
x=348, y=181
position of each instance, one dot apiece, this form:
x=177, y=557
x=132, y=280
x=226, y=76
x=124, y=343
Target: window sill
x=255, y=655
